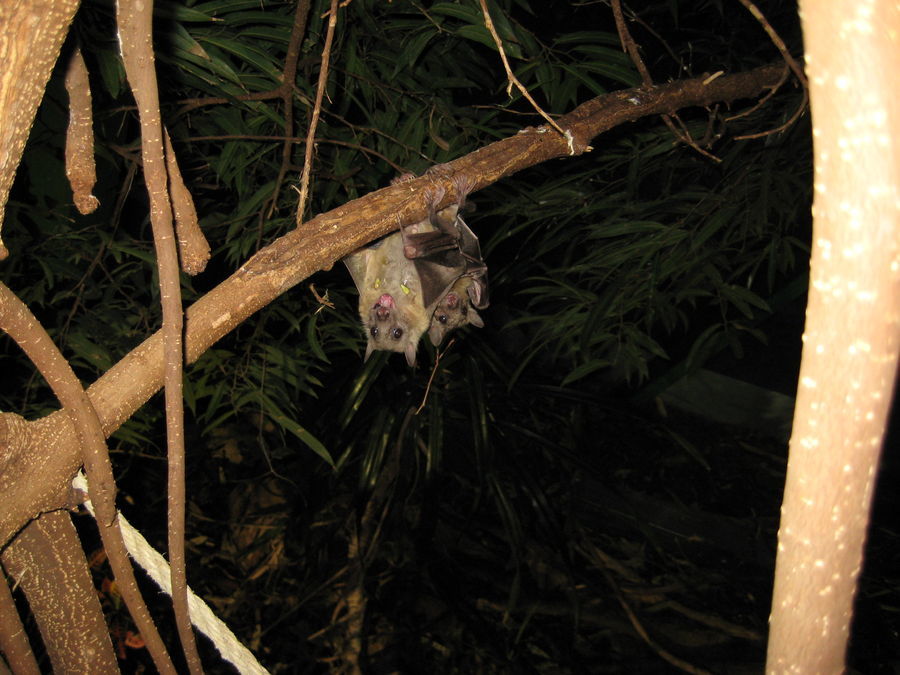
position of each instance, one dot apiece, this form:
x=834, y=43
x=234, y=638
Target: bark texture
x=31, y=34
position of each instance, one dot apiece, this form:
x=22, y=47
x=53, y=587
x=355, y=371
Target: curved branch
x=134, y=19
x=27, y=332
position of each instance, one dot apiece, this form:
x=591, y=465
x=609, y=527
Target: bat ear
x=410, y=352
x=435, y=334
x=474, y=319
x=478, y=295
x=369, y=349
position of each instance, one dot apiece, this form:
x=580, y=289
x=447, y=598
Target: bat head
x=394, y=325
x=455, y=309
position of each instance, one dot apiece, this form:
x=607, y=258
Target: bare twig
x=641, y=631
x=434, y=369
x=630, y=47
x=317, y=109
x=286, y=93
x=513, y=80
x=321, y=299
x=791, y=64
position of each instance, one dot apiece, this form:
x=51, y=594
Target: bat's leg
x=461, y=182
x=447, y=233
x=433, y=196
x=463, y=185
x=418, y=244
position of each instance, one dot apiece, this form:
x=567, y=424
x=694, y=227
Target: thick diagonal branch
x=326, y=239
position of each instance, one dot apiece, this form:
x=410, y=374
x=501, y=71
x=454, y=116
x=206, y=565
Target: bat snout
x=383, y=307
x=386, y=300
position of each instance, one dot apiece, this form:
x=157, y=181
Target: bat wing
x=468, y=242
x=445, y=254
x=357, y=264
x=437, y=257
x=476, y=268
x=437, y=273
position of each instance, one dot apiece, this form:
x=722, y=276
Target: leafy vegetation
x=526, y=502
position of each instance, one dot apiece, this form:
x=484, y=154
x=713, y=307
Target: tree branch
x=326, y=239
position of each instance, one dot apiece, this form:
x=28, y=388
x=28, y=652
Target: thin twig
x=321, y=299
x=630, y=48
x=317, y=109
x=791, y=64
x=286, y=92
x=437, y=360
x=642, y=632
x=513, y=80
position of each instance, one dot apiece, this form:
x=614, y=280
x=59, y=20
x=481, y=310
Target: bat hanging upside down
x=427, y=277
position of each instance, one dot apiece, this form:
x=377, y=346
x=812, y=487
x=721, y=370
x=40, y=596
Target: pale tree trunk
x=852, y=329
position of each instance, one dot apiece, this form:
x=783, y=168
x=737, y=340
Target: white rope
x=201, y=615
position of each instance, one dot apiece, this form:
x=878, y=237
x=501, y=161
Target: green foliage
x=649, y=243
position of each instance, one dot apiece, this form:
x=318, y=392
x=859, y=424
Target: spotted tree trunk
x=852, y=330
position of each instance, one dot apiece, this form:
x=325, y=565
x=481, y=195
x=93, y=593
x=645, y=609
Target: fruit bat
x=457, y=306
x=424, y=277
x=456, y=309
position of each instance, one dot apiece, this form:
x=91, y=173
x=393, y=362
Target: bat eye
x=373, y=331
x=397, y=333
x=441, y=318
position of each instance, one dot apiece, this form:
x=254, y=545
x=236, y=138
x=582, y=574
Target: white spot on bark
x=220, y=320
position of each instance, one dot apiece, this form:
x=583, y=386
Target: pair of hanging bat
x=427, y=277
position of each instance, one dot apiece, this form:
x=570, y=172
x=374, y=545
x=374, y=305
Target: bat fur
x=427, y=277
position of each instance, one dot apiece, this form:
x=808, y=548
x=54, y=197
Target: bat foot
x=433, y=196
x=462, y=183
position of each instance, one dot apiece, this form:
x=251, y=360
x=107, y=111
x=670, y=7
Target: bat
x=470, y=291
x=413, y=278
x=391, y=305
x=456, y=309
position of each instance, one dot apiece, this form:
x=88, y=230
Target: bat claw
x=463, y=184
x=403, y=178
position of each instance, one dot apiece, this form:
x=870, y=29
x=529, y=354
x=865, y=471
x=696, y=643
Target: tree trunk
x=852, y=330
